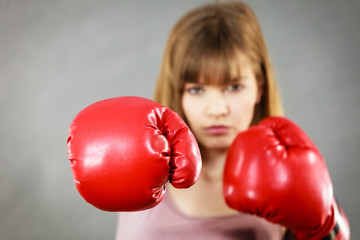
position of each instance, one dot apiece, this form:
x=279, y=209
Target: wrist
x=336, y=227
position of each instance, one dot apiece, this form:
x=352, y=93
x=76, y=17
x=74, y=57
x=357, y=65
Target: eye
x=194, y=89
x=234, y=87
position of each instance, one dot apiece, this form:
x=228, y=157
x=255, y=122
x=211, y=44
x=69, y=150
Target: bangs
x=211, y=59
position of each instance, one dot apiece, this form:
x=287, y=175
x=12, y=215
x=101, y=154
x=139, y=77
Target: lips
x=217, y=129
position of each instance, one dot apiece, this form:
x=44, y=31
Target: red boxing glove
x=124, y=150
x=275, y=171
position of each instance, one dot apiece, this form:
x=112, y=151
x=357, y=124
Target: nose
x=217, y=105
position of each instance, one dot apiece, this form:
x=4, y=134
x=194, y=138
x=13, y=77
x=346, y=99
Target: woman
x=217, y=75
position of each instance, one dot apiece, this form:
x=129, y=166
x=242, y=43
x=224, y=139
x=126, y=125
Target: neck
x=213, y=163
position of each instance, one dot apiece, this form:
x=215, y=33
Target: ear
x=260, y=91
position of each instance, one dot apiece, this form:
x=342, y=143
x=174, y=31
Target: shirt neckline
x=171, y=204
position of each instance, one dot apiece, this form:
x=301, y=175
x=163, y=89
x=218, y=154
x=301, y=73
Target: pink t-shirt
x=166, y=222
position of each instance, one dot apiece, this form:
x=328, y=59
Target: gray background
x=56, y=57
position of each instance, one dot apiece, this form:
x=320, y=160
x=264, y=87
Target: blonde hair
x=206, y=42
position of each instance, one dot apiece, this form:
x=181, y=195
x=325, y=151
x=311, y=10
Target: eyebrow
x=239, y=79
x=194, y=82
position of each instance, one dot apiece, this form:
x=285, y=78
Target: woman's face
x=217, y=113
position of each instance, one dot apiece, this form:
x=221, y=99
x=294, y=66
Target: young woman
x=261, y=177
x=216, y=74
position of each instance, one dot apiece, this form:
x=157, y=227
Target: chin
x=218, y=145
